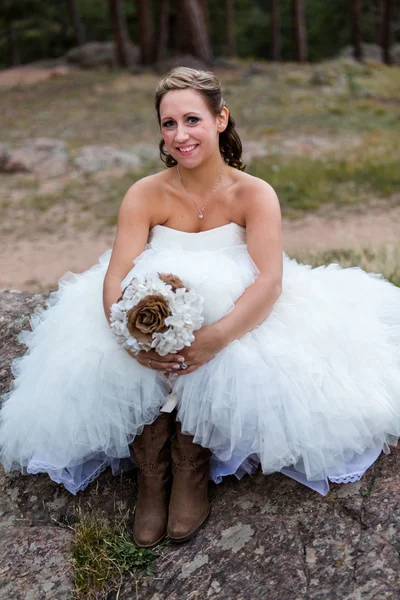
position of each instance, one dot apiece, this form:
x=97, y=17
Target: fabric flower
x=156, y=311
x=148, y=317
x=172, y=280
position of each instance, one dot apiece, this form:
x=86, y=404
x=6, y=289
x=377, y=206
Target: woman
x=294, y=369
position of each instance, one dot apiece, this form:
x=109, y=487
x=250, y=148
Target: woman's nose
x=181, y=134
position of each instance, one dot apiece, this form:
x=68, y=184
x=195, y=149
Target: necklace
x=201, y=210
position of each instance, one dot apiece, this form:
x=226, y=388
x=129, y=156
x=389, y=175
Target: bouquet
x=156, y=311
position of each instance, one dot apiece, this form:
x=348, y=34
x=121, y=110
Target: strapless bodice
x=224, y=236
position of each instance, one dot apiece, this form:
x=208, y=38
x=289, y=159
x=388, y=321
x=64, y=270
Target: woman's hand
x=206, y=345
x=152, y=360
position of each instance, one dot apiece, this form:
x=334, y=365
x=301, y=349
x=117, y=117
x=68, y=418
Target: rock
x=96, y=158
x=146, y=153
x=4, y=157
x=267, y=536
x=372, y=52
x=226, y=63
x=395, y=54
x=321, y=77
x=254, y=149
x=253, y=68
x=99, y=54
x=35, y=563
x=42, y=156
x=184, y=60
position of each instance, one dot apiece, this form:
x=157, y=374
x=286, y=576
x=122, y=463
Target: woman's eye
x=167, y=124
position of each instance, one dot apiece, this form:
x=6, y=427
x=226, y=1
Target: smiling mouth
x=188, y=150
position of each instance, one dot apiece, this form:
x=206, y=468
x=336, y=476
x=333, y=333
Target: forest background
x=267, y=29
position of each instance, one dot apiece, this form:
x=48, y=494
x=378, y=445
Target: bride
x=295, y=369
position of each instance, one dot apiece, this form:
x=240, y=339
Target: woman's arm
x=138, y=213
x=134, y=222
x=264, y=244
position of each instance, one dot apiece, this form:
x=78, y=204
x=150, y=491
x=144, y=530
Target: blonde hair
x=206, y=83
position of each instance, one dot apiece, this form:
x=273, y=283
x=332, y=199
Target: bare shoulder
x=256, y=197
x=144, y=196
x=144, y=187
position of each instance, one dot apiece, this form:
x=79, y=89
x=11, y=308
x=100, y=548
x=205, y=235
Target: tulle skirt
x=313, y=391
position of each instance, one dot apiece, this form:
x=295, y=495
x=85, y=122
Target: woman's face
x=190, y=131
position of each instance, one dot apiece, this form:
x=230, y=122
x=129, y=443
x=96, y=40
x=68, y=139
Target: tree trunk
x=386, y=23
x=378, y=21
x=204, y=6
x=162, y=45
x=300, y=32
x=146, y=32
x=355, y=21
x=230, y=28
x=196, y=22
x=119, y=31
x=76, y=20
x=275, y=31
x=13, y=48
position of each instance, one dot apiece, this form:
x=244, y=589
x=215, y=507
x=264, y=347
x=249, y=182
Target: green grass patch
x=382, y=259
x=306, y=184
x=104, y=552
x=41, y=202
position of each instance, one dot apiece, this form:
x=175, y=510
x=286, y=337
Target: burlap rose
x=172, y=280
x=148, y=317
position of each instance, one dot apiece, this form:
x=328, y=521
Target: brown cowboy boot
x=188, y=506
x=151, y=452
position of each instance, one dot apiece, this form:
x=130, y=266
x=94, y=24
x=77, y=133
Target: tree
x=355, y=23
x=299, y=30
x=230, y=28
x=146, y=32
x=204, y=6
x=378, y=11
x=275, y=31
x=76, y=20
x=163, y=30
x=196, y=21
x=120, y=32
x=385, y=37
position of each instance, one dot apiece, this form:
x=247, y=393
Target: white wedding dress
x=312, y=392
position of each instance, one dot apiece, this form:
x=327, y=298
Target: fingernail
x=181, y=359
x=176, y=367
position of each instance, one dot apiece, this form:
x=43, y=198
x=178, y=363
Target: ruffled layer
x=314, y=391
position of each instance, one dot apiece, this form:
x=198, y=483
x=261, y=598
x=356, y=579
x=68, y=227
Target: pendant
x=201, y=216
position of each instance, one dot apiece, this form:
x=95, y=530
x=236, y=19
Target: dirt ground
x=37, y=263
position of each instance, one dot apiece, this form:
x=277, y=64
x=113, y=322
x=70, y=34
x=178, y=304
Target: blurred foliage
x=43, y=30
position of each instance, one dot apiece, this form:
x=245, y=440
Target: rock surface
x=99, y=54
x=97, y=158
x=267, y=537
x=43, y=156
x=50, y=158
x=372, y=52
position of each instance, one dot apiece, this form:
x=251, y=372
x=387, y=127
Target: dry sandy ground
x=37, y=264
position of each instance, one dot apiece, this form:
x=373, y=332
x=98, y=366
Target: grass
x=103, y=553
x=383, y=259
x=305, y=183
